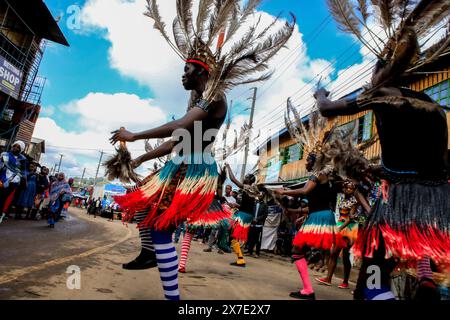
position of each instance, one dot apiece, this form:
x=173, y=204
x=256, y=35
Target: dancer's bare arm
x=161, y=151
x=330, y=108
x=233, y=178
x=309, y=186
x=348, y=105
x=166, y=130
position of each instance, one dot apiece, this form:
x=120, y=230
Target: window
x=292, y=153
x=351, y=127
x=361, y=127
x=271, y=162
x=440, y=93
x=273, y=169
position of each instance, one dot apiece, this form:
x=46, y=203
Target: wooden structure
x=286, y=162
x=25, y=28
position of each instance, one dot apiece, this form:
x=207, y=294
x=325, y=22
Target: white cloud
x=48, y=111
x=137, y=50
x=97, y=115
x=102, y=112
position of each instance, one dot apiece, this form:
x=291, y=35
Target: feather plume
x=223, y=17
x=403, y=8
x=343, y=13
x=153, y=13
x=362, y=8
x=238, y=66
x=428, y=14
x=204, y=9
x=247, y=60
x=347, y=20
x=248, y=9
x=386, y=13
x=438, y=49
x=180, y=38
x=184, y=14
x=119, y=166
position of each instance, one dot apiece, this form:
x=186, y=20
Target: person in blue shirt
x=12, y=169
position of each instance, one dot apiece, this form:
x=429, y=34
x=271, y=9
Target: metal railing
x=26, y=59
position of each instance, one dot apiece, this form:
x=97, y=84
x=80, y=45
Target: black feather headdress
x=408, y=25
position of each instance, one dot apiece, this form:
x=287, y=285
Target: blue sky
x=84, y=67
x=89, y=71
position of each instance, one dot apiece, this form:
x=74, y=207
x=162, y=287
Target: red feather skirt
x=414, y=222
x=318, y=231
x=182, y=190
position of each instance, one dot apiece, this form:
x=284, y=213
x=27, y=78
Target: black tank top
x=205, y=130
x=413, y=141
x=247, y=203
x=321, y=197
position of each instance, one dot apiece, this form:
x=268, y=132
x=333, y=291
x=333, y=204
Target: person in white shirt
x=215, y=233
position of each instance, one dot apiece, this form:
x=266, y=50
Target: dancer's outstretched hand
x=122, y=135
x=322, y=92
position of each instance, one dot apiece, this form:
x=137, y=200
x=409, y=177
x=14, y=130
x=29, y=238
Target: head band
x=204, y=65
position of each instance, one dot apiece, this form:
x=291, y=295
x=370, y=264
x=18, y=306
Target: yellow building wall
x=296, y=170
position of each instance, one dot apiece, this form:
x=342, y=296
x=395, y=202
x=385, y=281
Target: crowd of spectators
x=27, y=191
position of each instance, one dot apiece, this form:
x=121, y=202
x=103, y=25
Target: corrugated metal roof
x=37, y=16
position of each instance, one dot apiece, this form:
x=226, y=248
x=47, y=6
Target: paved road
x=34, y=260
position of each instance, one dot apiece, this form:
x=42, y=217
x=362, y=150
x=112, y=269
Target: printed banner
x=10, y=78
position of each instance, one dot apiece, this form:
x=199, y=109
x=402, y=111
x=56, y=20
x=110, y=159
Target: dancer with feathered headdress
x=318, y=231
x=207, y=222
x=351, y=167
x=412, y=219
x=185, y=187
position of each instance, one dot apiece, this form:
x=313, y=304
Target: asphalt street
x=37, y=263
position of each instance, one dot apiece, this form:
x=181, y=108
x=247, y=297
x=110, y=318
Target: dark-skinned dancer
x=243, y=218
x=185, y=187
x=318, y=231
x=412, y=217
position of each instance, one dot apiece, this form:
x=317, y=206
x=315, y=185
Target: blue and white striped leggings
x=166, y=256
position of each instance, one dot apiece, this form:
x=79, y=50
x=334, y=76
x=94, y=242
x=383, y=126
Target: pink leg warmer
x=186, y=245
x=302, y=268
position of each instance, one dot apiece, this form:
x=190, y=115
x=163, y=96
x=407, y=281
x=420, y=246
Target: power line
x=319, y=29
x=272, y=82
x=276, y=109
x=350, y=81
x=274, y=112
x=110, y=151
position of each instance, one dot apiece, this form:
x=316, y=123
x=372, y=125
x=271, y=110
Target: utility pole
x=60, y=160
x=82, y=177
x=54, y=168
x=98, y=168
x=227, y=128
x=247, y=141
